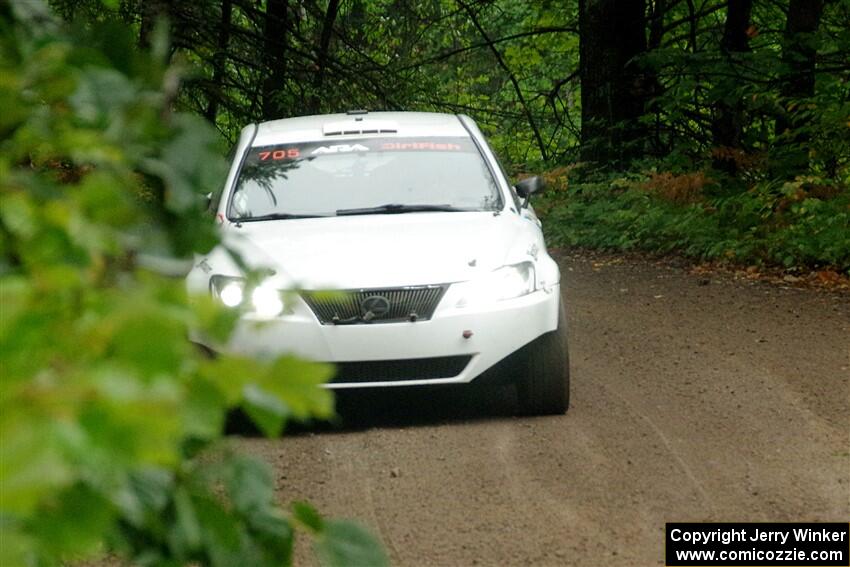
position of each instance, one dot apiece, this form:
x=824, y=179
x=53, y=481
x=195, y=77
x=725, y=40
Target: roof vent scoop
x=359, y=126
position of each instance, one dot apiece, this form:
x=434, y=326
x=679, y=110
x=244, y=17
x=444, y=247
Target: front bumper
x=498, y=330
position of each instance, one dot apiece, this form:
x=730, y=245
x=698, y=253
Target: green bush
x=111, y=422
x=804, y=224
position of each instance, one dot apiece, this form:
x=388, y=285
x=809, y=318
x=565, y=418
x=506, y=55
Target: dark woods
x=736, y=79
x=607, y=81
x=719, y=129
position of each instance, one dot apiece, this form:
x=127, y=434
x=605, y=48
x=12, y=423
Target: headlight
x=507, y=282
x=265, y=299
x=230, y=291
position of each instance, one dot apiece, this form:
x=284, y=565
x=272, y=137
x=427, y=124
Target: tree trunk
x=656, y=34
x=151, y=12
x=656, y=24
x=798, y=81
x=612, y=34
x=274, y=59
x=727, y=126
x=219, y=61
x=322, y=56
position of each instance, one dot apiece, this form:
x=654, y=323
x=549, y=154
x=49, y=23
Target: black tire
x=545, y=387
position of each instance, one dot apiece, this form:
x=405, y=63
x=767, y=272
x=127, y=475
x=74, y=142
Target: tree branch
x=514, y=82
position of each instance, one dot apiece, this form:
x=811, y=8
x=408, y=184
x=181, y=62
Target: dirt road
x=693, y=400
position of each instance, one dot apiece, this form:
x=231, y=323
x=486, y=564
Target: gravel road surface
x=695, y=398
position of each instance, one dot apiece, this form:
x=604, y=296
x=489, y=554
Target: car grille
x=390, y=305
x=398, y=370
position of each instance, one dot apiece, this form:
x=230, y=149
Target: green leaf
x=250, y=485
x=271, y=530
x=149, y=340
x=307, y=516
x=17, y=545
x=214, y=320
x=145, y=496
x=205, y=409
x=268, y=412
x=189, y=164
x=185, y=536
x=101, y=95
x=344, y=543
x=220, y=530
x=74, y=522
x=229, y=374
x=297, y=382
x=31, y=463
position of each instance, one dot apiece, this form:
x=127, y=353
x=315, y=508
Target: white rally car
x=414, y=260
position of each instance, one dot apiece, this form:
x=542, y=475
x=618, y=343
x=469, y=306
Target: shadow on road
x=401, y=407
x=361, y=409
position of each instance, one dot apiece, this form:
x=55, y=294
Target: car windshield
x=363, y=176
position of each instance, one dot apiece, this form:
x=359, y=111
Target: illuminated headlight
x=507, y=282
x=265, y=299
x=230, y=291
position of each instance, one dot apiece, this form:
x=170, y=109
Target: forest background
x=715, y=129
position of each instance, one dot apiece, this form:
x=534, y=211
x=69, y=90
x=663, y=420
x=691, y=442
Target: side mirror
x=527, y=187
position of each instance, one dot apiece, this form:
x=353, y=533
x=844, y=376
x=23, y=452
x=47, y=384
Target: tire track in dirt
x=643, y=417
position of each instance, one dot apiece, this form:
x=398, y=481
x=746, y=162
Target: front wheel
x=545, y=387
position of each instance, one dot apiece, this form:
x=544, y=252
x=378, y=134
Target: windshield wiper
x=281, y=216
x=397, y=208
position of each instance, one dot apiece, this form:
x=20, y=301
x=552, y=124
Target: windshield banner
x=311, y=150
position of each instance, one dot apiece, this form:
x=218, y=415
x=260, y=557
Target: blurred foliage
x=111, y=421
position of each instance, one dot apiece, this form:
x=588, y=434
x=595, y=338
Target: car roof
x=357, y=124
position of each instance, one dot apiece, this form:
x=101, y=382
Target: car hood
x=380, y=250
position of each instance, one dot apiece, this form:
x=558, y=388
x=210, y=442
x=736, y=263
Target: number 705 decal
x=290, y=153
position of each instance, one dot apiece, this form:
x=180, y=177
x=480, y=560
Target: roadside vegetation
x=111, y=422
x=797, y=225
